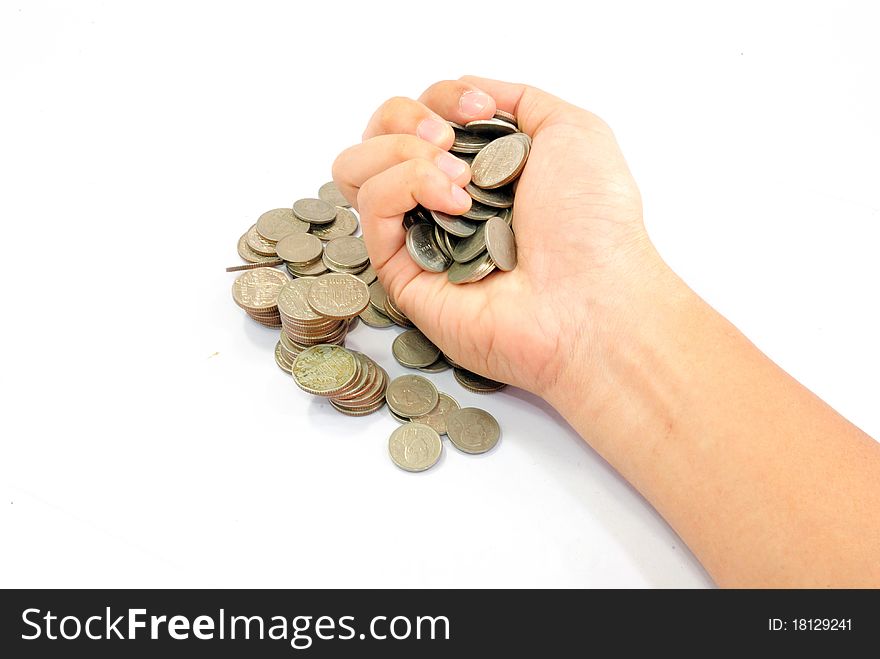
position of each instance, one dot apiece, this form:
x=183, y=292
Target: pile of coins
x=470, y=246
x=354, y=383
x=426, y=414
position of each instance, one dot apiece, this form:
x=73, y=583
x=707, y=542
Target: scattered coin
x=377, y=296
x=415, y=447
x=414, y=350
x=437, y=418
x=500, y=244
x=251, y=266
x=331, y=194
x=475, y=383
x=437, y=367
x=375, y=318
x=472, y=430
x=314, y=211
x=273, y=225
x=411, y=395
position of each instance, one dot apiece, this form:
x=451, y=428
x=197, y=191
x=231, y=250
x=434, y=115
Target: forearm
x=767, y=484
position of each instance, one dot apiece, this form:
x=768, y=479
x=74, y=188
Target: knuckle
x=392, y=109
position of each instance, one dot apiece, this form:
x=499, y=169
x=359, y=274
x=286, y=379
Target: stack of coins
x=302, y=254
x=426, y=414
x=256, y=291
x=470, y=246
x=354, y=383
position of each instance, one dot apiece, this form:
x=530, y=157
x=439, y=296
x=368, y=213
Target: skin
x=767, y=484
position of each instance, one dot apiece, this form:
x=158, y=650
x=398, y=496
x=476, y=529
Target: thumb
x=531, y=106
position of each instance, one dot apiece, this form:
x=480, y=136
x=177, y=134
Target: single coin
x=377, y=296
x=415, y=447
x=454, y=224
x=411, y=395
x=497, y=198
x=397, y=417
x=491, y=127
x=324, y=370
x=293, y=301
x=338, y=295
x=506, y=116
x=314, y=211
x=273, y=225
x=414, y=350
x=470, y=248
x=249, y=255
x=437, y=367
x=347, y=252
x=437, y=417
x=299, y=248
x=441, y=241
x=467, y=142
x=250, y=266
x=312, y=269
x=259, y=244
x=331, y=194
x=500, y=162
x=476, y=383
x=375, y=318
x=258, y=289
x=423, y=250
x=345, y=224
x=368, y=276
x=480, y=212
x=471, y=271
x=501, y=244
x=472, y=430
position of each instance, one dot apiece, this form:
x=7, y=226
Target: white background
x=149, y=439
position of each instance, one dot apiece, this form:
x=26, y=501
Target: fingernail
x=433, y=131
x=460, y=197
x=451, y=166
x=473, y=103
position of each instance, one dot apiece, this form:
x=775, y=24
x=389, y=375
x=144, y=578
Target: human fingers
x=458, y=101
x=409, y=117
x=384, y=198
x=362, y=161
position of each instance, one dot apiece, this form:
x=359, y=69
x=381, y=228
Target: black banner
x=334, y=623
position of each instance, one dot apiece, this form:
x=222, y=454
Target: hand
x=581, y=243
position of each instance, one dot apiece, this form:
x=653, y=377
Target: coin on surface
x=500, y=244
x=312, y=269
x=424, y=250
x=437, y=418
x=415, y=447
x=324, y=370
x=314, y=211
x=258, y=289
x=472, y=430
x=345, y=224
x=273, y=225
x=368, y=276
x=347, y=252
x=411, y=395
x=259, y=244
x=414, y=350
x=249, y=255
x=299, y=248
x=331, y=194
x=454, y=224
x=476, y=383
x=437, y=367
x=500, y=162
x=337, y=295
x=375, y=318
x=293, y=302
x=281, y=359
x=377, y=296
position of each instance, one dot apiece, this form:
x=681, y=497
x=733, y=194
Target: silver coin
x=471, y=271
x=437, y=367
x=454, y=224
x=507, y=116
x=273, y=225
x=314, y=211
x=423, y=250
x=415, y=447
x=470, y=248
x=472, y=430
x=474, y=382
x=397, y=417
x=500, y=244
x=414, y=350
x=497, y=198
x=311, y=270
x=375, y=318
x=300, y=249
x=467, y=142
x=368, y=276
x=480, y=212
x=331, y=194
x=500, y=162
x=377, y=296
x=490, y=127
x=438, y=417
x=345, y=224
x=411, y=395
x=347, y=252
x=441, y=237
